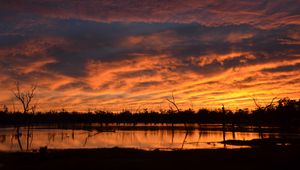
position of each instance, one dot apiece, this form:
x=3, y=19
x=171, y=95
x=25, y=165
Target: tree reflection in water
x=126, y=136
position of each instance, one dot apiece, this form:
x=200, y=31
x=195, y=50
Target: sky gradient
x=133, y=54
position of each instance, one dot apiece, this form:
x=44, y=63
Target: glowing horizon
x=120, y=54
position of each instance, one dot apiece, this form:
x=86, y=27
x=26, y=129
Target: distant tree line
x=285, y=112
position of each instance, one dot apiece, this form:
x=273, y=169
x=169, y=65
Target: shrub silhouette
x=285, y=113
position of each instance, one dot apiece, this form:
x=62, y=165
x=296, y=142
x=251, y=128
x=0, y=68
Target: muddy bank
x=253, y=158
x=268, y=142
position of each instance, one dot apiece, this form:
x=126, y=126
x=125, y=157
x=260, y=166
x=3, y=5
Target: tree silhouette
x=25, y=97
x=173, y=102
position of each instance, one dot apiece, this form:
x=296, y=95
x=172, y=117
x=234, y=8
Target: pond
x=140, y=136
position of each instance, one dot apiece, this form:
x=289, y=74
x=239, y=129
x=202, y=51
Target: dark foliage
x=285, y=113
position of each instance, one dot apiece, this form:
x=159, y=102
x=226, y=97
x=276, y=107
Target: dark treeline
x=285, y=112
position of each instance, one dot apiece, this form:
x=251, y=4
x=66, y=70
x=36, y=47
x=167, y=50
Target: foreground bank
x=286, y=157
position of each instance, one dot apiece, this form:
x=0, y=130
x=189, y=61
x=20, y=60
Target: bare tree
x=25, y=97
x=173, y=103
x=262, y=109
x=266, y=107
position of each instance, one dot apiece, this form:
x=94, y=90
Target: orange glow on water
x=136, y=138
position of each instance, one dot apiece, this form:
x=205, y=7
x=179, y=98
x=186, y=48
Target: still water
x=147, y=137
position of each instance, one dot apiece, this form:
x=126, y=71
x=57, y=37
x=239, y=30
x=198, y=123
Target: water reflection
x=128, y=136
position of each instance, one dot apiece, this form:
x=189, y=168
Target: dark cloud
x=287, y=68
x=294, y=82
x=138, y=73
x=87, y=40
x=73, y=85
x=93, y=41
x=269, y=13
x=9, y=40
x=145, y=85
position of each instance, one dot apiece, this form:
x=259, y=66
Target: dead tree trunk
x=223, y=125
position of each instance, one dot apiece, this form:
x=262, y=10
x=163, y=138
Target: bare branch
x=255, y=102
x=267, y=106
x=173, y=102
x=26, y=97
x=271, y=103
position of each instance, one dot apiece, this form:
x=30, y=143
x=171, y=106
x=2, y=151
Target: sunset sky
x=133, y=54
